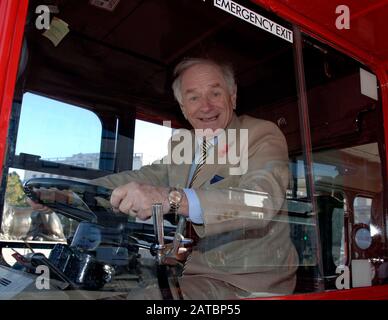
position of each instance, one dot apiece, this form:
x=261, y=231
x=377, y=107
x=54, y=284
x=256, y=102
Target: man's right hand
x=38, y=206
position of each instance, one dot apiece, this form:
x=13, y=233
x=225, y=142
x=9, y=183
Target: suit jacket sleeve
x=251, y=200
x=155, y=174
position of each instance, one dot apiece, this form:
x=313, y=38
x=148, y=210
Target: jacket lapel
x=209, y=170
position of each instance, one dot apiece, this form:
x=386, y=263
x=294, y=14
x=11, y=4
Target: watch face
x=175, y=196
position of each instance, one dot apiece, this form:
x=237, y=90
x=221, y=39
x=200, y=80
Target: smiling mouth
x=209, y=119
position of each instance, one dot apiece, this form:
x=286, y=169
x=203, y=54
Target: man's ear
x=183, y=111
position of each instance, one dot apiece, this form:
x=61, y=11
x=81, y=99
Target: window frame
x=115, y=153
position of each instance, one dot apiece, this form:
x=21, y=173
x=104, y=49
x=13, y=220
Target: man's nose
x=206, y=104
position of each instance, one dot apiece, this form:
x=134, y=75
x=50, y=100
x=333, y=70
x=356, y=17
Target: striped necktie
x=201, y=161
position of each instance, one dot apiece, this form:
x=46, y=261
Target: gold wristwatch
x=175, y=197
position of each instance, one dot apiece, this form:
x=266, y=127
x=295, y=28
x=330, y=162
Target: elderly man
x=244, y=245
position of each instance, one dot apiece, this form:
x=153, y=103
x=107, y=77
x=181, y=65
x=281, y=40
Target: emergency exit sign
x=254, y=18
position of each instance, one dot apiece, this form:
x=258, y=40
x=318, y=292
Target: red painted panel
x=12, y=21
x=367, y=22
x=317, y=18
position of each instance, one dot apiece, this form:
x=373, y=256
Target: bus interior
x=118, y=65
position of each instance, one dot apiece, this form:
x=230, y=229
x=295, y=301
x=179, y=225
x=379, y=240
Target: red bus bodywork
x=316, y=18
x=12, y=21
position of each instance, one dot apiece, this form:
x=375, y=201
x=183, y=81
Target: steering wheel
x=90, y=205
x=83, y=202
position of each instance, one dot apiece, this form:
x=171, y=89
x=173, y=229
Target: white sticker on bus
x=368, y=82
x=254, y=18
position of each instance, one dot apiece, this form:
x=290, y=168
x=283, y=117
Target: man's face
x=206, y=100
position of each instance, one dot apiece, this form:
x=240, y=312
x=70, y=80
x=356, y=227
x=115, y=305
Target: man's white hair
x=185, y=64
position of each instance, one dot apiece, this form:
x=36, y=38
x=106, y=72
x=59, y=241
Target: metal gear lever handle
x=167, y=254
x=157, y=217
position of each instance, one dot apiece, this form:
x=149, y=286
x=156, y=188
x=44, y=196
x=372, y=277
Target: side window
x=345, y=127
x=338, y=237
x=52, y=133
x=151, y=143
x=59, y=132
x=363, y=229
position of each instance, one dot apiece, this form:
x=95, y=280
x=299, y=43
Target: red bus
x=85, y=87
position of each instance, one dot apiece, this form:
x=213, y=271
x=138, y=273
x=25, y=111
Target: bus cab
x=85, y=91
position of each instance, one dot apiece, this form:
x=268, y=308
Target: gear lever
x=167, y=254
x=157, y=217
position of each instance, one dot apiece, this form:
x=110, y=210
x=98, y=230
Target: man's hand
x=136, y=199
x=50, y=196
x=38, y=206
x=34, y=205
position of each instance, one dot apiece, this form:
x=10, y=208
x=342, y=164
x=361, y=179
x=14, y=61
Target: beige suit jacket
x=245, y=235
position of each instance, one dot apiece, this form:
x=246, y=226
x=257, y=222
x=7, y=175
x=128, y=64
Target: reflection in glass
x=363, y=238
x=362, y=210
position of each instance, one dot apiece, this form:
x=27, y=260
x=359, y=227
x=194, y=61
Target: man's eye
x=193, y=98
x=216, y=93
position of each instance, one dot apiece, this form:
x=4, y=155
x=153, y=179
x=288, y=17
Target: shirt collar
x=213, y=140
